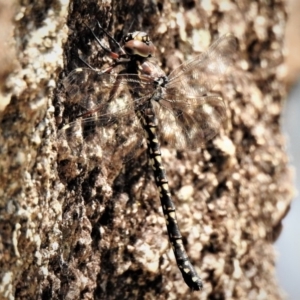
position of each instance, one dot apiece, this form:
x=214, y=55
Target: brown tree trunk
x=73, y=228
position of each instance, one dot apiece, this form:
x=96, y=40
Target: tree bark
x=81, y=228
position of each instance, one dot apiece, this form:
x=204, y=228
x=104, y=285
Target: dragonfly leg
x=112, y=54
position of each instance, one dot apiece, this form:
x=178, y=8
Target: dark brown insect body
x=151, y=73
x=178, y=108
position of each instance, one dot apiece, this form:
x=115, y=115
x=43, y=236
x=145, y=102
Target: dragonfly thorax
x=161, y=81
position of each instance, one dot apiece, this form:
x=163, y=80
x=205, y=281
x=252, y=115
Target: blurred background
x=288, y=244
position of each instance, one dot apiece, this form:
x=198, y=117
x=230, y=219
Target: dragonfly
x=179, y=109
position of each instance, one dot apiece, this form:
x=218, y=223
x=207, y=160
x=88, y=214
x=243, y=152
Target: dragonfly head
x=138, y=43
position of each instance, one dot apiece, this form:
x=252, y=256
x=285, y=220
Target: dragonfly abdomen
x=149, y=124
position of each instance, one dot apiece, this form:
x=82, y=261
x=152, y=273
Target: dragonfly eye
x=138, y=43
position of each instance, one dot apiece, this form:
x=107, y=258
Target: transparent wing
x=108, y=121
x=190, y=122
x=105, y=92
x=199, y=76
x=190, y=113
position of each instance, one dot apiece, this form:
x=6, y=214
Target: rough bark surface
x=82, y=228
